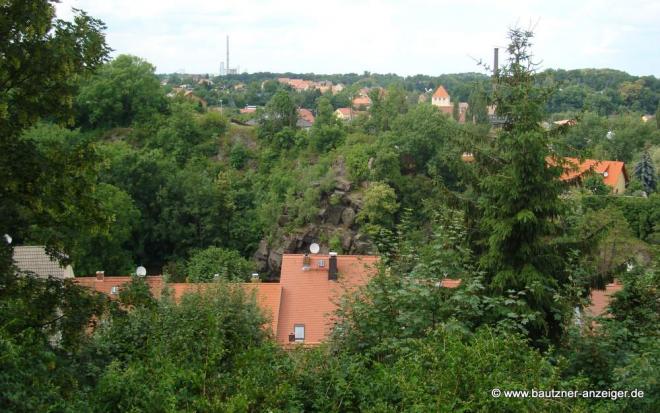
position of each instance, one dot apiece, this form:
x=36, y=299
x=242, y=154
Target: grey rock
x=348, y=217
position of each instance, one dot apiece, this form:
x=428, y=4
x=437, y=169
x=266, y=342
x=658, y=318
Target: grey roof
x=35, y=259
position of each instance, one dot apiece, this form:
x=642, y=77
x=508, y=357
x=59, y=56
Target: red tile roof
x=303, y=296
x=611, y=170
x=306, y=114
x=104, y=284
x=441, y=93
x=361, y=100
x=310, y=299
x=600, y=299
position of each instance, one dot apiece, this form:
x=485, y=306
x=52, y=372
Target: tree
x=477, y=107
x=519, y=198
x=327, y=131
x=43, y=58
x=227, y=264
x=645, y=172
x=280, y=112
x=124, y=90
x=379, y=205
x=455, y=111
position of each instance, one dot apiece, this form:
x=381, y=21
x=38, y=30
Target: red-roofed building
x=600, y=299
x=345, y=114
x=111, y=286
x=441, y=98
x=301, y=306
x=310, y=295
x=614, y=172
x=361, y=102
x=305, y=118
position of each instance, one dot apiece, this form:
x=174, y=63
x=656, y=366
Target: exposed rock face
x=335, y=221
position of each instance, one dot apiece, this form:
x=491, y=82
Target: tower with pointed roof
x=441, y=98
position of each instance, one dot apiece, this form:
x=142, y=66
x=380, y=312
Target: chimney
x=496, y=63
x=100, y=275
x=332, y=270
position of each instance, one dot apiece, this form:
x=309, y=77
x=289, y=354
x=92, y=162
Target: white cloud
x=415, y=36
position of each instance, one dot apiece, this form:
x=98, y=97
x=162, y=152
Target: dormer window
x=321, y=263
x=299, y=333
x=114, y=290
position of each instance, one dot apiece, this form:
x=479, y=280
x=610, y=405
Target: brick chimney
x=100, y=275
x=332, y=268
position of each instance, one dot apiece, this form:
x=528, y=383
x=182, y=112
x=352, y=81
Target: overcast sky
x=404, y=37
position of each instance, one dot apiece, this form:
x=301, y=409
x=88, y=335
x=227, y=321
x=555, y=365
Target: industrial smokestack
x=495, y=62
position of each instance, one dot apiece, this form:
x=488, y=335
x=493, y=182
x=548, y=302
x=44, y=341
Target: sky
x=352, y=36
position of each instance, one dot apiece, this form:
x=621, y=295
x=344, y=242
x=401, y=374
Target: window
x=114, y=290
x=299, y=332
x=321, y=263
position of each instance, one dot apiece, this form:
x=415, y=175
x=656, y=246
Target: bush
x=228, y=264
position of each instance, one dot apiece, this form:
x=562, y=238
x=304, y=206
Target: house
x=361, y=102
x=187, y=94
x=442, y=101
x=565, y=122
x=337, y=88
x=441, y=98
x=312, y=286
x=34, y=259
x=248, y=109
x=305, y=118
x=112, y=286
x=300, y=306
x=345, y=114
x=614, y=172
x=600, y=299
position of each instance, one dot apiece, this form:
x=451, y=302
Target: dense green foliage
x=99, y=163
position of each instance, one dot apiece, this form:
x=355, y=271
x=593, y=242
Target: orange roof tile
x=310, y=299
x=306, y=114
x=106, y=283
x=611, y=170
x=361, y=100
x=600, y=299
x=440, y=92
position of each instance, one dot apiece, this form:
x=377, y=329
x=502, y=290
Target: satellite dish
x=314, y=248
x=8, y=238
x=141, y=271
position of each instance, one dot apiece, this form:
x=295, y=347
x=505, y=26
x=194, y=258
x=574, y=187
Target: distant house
x=345, y=114
x=600, y=299
x=441, y=98
x=565, y=122
x=305, y=118
x=361, y=102
x=442, y=101
x=337, y=88
x=248, y=109
x=34, y=259
x=613, y=172
x=189, y=95
x=647, y=118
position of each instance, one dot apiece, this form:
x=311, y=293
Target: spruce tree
x=645, y=172
x=519, y=200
